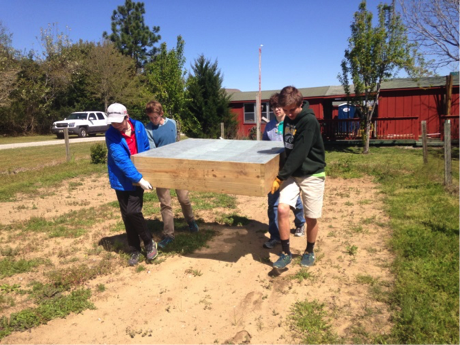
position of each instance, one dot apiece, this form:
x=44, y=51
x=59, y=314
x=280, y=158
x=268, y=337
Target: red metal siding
x=426, y=104
x=244, y=128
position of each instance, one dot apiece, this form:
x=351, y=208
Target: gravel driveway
x=50, y=142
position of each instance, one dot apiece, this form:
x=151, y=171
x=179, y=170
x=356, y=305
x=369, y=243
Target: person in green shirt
x=302, y=173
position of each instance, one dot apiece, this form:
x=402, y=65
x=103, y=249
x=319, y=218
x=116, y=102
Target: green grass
x=10, y=267
x=302, y=275
x=28, y=169
x=424, y=219
x=72, y=224
x=59, y=307
x=309, y=319
x=35, y=158
x=210, y=201
x=232, y=219
x=186, y=243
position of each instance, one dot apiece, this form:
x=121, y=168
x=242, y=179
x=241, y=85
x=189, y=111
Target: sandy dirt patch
x=238, y=298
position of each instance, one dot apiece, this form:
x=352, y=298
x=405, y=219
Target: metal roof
x=327, y=91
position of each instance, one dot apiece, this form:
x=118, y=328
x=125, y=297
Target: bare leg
x=312, y=229
x=283, y=221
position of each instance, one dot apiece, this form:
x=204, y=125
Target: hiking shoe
x=151, y=250
x=283, y=261
x=308, y=259
x=271, y=243
x=164, y=242
x=192, y=226
x=134, y=259
x=300, y=231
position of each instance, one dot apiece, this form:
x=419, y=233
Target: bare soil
x=238, y=298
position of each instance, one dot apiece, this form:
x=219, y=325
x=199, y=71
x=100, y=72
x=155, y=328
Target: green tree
x=111, y=76
x=376, y=54
x=8, y=66
x=130, y=34
x=28, y=103
x=166, y=79
x=207, y=104
x=43, y=83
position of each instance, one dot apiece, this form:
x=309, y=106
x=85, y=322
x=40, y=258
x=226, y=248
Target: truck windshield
x=77, y=116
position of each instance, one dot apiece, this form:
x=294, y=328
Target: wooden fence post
x=222, y=131
x=425, y=143
x=449, y=83
x=447, y=154
x=178, y=130
x=67, y=144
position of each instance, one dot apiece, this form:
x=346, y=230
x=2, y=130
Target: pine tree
x=130, y=34
x=207, y=104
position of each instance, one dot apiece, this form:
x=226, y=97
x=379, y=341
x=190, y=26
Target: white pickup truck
x=82, y=123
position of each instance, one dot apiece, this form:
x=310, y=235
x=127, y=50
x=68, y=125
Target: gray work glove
x=145, y=184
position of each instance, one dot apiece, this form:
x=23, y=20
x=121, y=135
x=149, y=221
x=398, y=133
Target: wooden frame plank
x=211, y=165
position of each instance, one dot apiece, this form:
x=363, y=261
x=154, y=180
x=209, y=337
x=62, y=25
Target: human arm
x=265, y=135
x=119, y=157
x=149, y=129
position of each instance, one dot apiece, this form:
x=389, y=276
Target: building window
x=250, y=114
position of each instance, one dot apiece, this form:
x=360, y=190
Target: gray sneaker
x=134, y=259
x=271, y=243
x=300, y=231
x=151, y=251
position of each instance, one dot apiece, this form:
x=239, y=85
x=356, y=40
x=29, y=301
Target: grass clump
x=59, y=307
x=10, y=267
x=70, y=225
x=186, y=243
x=77, y=275
x=309, y=321
x=232, y=219
x=210, y=201
x=302, y=275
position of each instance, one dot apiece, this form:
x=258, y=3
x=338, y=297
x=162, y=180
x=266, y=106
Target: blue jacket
x=122, y=172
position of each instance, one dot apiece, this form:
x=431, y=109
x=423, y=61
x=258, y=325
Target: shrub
x=98, y=153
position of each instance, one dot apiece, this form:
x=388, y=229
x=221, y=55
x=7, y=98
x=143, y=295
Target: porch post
x=447, y=154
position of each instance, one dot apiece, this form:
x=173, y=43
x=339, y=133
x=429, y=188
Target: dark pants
x=131, y=203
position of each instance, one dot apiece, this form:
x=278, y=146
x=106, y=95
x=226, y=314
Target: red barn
x=402, y=105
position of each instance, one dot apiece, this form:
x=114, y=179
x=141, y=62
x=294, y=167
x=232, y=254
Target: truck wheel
x=82, y=133
x=60, y=136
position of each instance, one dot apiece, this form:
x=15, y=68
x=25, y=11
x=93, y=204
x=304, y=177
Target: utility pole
x=259, y=99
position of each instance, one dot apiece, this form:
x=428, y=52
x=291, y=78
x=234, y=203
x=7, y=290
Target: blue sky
x=303, y=40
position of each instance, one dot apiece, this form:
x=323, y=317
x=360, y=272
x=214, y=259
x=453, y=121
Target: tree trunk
x=367, y=132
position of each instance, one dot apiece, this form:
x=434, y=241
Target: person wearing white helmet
x=124, y=138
